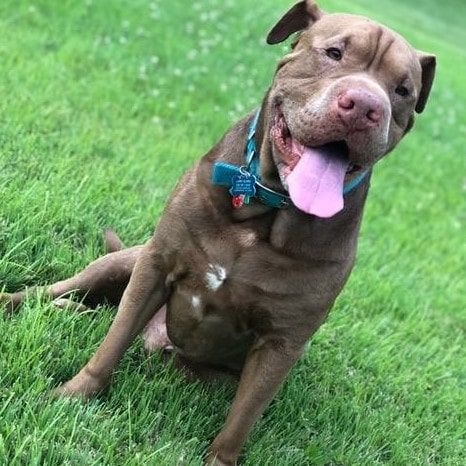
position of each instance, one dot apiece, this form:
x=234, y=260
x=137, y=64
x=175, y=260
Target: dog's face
x=348, y=87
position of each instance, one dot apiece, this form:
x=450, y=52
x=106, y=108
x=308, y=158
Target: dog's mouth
x=314, y=176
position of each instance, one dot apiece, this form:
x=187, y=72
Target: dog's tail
x=111, y=241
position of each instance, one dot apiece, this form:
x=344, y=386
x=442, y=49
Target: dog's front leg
x=145, y=294
x=265, y=369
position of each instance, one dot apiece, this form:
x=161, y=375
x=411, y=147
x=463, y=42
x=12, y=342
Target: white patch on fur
x=196, y=301
x=248, y=238
x=215, y=276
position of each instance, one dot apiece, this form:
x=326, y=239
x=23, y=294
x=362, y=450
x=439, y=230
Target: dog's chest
x=209, y=308
x=227, y=298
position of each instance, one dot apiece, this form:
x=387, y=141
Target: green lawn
x=102, y=105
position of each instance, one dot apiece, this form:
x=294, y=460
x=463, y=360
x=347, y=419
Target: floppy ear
x=299, y=17
x=428, y=63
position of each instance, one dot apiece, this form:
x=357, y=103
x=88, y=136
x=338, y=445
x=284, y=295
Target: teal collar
x=244, y=181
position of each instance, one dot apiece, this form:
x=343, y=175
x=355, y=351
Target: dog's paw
x=216, y=462
x=82, y=385
x=10, y=302
x=212, y=459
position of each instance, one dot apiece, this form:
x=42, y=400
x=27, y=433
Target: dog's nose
x=359, y=108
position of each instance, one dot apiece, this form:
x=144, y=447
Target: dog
x=259, y=236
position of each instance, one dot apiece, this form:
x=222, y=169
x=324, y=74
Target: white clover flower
x=192, y=54
x=239, y=107
x=142, y=71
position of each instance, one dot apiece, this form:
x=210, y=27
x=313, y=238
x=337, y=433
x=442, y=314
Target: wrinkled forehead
x=366, y=40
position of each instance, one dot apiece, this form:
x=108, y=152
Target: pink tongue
x=316, y=182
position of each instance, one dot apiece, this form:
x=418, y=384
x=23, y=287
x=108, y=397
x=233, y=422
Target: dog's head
x=341, y=99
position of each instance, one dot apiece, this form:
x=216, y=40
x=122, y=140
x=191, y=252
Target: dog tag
x=243, y=184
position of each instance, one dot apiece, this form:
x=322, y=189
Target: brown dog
x=243, y=289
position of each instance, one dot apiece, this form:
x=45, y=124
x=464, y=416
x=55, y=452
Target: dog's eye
x=402, y=90
x=334, y=53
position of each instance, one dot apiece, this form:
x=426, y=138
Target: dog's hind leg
x=103, y=280
x=145, y=294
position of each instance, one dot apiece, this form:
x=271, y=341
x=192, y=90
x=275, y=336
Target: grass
x=102, y=106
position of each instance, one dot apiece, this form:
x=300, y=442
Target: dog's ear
x=299, y=17
x=428, y=63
